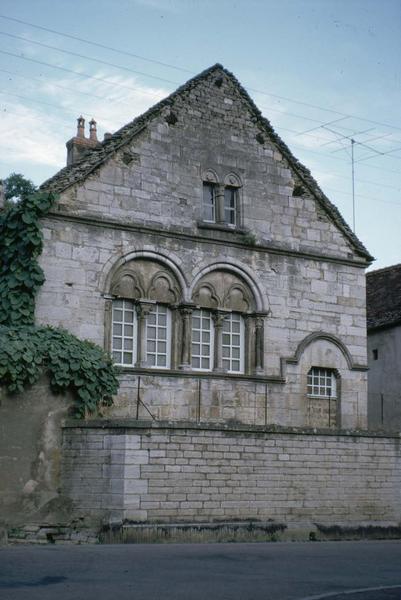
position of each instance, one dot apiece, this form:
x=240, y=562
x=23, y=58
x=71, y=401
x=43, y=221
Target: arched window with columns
x=227, y=331
x=144, y=295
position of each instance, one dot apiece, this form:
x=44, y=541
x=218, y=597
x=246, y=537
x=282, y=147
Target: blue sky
x=318, y=70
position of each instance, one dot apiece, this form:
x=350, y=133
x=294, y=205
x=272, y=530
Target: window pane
x=151, y=346
x=151, y=319
x=158, y=336
x=128, y=344
x=321, y=383
x=233, y=343
x=129, y=316
x=230, y=205
x=117, y=329
x=117, y=315
x=208, y=207
x=235, y=326
x=117, y=343
x=128, y=330
x=124, y=332
x=202, y=329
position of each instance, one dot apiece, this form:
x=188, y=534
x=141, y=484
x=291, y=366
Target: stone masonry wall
x=302, y=297
x=176, y=474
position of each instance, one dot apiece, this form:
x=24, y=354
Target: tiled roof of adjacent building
x=95, y=157
x=383, y=297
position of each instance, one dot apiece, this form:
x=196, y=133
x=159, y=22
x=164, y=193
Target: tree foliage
x=20, y=245
x=27, y=351
x=71, y=364
x=17, y=187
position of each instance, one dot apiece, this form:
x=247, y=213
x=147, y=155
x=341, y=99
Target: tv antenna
x=342, y=140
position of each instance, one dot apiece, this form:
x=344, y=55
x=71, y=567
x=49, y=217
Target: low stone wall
x=30, y=456
x=179, y=473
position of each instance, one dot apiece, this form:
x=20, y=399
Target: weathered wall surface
x=302, y=296
x=145, y=202
x=169, y=473
x=30, y=454
x=384, y=397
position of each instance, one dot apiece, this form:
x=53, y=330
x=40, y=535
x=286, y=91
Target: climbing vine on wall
x=20, y=245
x=27, y=351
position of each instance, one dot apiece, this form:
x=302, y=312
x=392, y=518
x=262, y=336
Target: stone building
x=383, y=299
x=231, y=293
x=197, y=249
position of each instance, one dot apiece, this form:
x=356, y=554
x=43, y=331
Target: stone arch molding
x=242, y=293
x=161, y=278
x=328, y=337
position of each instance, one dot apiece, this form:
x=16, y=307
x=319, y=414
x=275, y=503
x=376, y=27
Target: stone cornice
x=128, y=423
x=96, y=221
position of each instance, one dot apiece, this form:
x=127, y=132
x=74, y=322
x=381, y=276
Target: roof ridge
x=96, y=156
x=384, y=269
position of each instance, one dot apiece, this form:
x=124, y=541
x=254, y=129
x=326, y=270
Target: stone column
x=108, y=322
x=142, y=310
x=259, y=343
x=220, y=204
x=186, y=329
x=218, y=318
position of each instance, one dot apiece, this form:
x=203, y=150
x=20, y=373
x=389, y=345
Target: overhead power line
x=169, y=65
x=97, y=60
x=85, y=75
x=117, y=50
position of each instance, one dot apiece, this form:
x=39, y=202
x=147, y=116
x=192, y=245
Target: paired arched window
x=221, y=201
x=151, y=327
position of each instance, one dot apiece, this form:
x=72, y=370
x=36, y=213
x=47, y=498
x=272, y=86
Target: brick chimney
x=78, y=145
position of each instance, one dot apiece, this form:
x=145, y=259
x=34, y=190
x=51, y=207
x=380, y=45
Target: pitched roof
x=383, y=297
x=94, y=158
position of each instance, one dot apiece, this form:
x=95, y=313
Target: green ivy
x=20, y=245
x=27, y=351
x=71, y=364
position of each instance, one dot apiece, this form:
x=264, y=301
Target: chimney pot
x=92, y=130
x=81, y=127
x=107, y=136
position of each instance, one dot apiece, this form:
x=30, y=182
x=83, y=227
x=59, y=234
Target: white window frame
x=212, y=204
x=228, y=346
x=322, y=383
x=159, y=310
x=203, y=354
x=127, y=307
x=231, y=210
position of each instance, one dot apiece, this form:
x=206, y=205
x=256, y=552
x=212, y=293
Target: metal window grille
x=322, y=383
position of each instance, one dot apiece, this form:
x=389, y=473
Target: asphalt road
x=274, y=571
